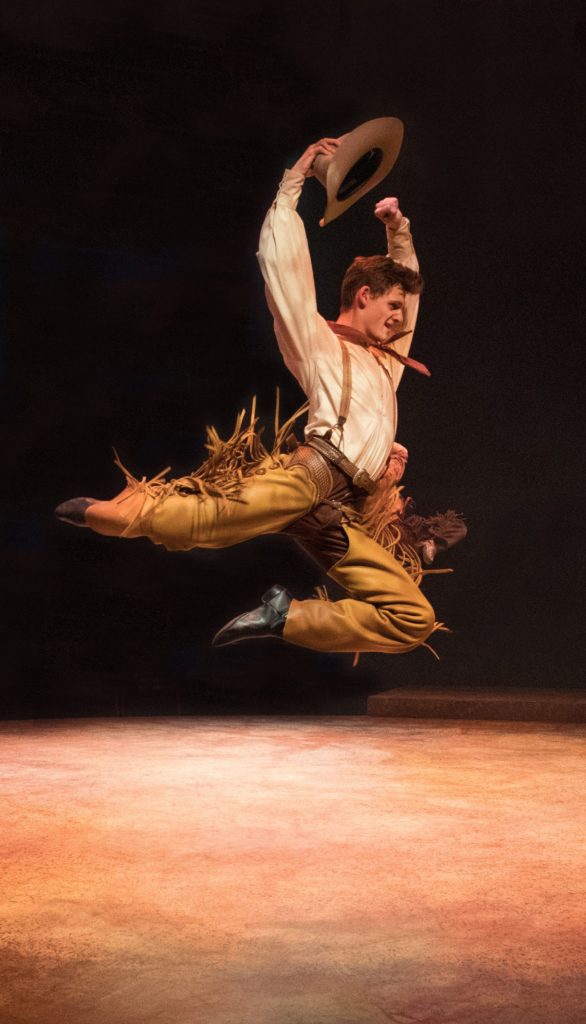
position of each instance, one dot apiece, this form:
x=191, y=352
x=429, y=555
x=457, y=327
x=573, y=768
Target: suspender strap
x=346, y=391
x=346, y=385
x=323, y=445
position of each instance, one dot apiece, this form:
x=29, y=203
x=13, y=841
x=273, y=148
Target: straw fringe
x=381, y=520
x=225, y=472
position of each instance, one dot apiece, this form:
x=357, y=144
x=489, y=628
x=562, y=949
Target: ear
x=363, y=295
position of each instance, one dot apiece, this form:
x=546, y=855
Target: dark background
x=141, y=145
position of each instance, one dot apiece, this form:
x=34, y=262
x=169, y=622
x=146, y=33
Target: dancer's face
x=381, y=316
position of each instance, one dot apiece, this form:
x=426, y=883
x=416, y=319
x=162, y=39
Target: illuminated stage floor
x=292, y=871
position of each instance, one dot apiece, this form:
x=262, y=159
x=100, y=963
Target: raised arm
x=285, y=263
x=401, y=249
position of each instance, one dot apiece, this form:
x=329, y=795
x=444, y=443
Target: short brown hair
x=380, y=273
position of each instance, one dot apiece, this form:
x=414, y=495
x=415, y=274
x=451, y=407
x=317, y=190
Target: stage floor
x=292, y=871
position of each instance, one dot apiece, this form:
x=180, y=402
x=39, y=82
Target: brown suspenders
x=346, y=391
x=359, y=477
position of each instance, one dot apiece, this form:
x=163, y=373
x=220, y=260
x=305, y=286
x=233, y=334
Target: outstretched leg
x=271, y=499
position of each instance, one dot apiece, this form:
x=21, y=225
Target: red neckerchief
x=350, y=334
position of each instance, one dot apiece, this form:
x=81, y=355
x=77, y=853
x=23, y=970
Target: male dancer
x=350, y=376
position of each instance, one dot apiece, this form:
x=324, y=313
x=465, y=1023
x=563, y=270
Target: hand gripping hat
x=364, y=157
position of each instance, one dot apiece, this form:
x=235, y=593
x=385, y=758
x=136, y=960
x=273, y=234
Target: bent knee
x=410, y=624
x=426, y=617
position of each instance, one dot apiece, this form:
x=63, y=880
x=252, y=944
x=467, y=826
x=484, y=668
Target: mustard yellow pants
x=384, y=612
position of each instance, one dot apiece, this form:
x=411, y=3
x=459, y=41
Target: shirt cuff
x=403, y=229
x=290, y=189
x=399, y=241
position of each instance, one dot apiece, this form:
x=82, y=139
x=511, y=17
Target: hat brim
x=364, y=157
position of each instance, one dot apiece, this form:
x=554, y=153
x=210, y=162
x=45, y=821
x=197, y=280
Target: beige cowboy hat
x=364, y=157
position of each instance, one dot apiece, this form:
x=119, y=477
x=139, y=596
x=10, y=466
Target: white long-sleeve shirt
x=311, y=350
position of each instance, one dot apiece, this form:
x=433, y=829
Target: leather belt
x=359, y=477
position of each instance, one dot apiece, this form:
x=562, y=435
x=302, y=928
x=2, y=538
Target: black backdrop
x=141, y=145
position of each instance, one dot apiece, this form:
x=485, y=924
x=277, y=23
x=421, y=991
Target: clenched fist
x=388, y=211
